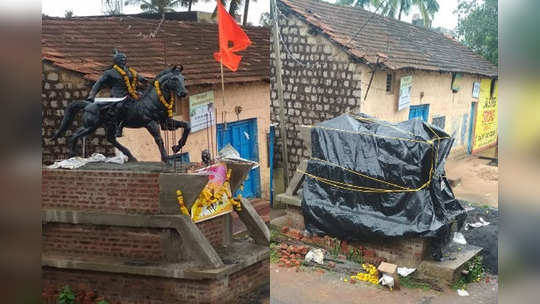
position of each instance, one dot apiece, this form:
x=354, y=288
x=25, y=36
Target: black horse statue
x=152, y=110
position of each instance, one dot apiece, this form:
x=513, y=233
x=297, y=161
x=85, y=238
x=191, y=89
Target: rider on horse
x=123, y=82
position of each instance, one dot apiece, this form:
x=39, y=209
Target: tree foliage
x=354, y=3
x=397, y=8
x=478, y=27
x=156, y=6
x=112, y=7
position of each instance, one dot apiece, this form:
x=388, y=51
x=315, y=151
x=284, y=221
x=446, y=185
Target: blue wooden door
x=242, y=135
x=420, y=112
x=472, y=119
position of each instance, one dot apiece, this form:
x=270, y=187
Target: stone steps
x=448, y=270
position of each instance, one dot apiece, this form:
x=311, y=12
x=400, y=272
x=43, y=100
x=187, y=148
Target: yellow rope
x=351, y=187
x=361, y=174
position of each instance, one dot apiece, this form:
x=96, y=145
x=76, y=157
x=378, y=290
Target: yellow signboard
x=485, y=132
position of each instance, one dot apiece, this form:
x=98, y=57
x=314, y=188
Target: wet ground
x=313, y=287
x=477, y=179
x=485, y=237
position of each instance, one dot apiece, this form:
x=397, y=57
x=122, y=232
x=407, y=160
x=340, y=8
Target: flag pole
x=223, y=101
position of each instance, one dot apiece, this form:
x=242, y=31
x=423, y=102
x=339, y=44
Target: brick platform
x=119, y=233
x=132, y=289
x=92, y=240
x=408, y=252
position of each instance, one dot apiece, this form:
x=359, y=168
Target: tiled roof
x=397, y=44
x=85, y=45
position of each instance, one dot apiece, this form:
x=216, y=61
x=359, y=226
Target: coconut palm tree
x=390, y=8
x=354, y=3
x=156, y=6
x=234, y=6
x=189, y=3
x=396, y=8
x=246, y=9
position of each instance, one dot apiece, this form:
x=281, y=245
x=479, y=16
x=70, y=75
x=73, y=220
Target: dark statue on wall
x=151, y=110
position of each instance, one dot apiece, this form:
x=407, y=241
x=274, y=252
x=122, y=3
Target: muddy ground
x=477, y=179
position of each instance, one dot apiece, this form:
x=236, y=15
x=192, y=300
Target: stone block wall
x=59, y=88
x=320, y=82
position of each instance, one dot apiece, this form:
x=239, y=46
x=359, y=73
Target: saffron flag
x=229, y=31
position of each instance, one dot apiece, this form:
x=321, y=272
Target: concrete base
x=289, y=200
x=133, y=288
x=449, y=270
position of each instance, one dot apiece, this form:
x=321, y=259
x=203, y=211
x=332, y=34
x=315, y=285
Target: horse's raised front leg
x=83, y=131
x=186, y=126
x=110, y=132
x=153, y=129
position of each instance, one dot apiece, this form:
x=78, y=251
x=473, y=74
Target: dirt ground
x=312, y=287
x=477, y=180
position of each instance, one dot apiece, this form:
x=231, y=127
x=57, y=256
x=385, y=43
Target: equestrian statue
x=151, y=109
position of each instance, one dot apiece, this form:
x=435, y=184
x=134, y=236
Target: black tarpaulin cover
x=369, y=178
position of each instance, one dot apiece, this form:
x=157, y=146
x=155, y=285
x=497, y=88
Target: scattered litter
x=387, y=280
x=230, y=153
x=462, y=293
x=404, y=271
x=481, y=222
x=459, y=238
x=77, y=162
x=315, y=255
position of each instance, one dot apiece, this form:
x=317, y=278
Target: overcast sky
x=445, y=17
x=93, y=7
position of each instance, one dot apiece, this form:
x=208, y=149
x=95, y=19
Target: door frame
x=472, y=126
x=255, y=147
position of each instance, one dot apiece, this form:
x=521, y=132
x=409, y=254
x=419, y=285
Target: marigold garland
x=131, y=86
x=180, y=198
x=371, y=275
x=168, y=105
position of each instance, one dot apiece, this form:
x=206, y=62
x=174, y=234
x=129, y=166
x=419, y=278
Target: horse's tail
x=69, y=114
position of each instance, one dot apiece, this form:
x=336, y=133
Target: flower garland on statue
x=131, y=86
x=168, y=105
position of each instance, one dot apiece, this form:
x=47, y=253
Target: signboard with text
x=201, y=111
x=476, y=89
x=405, y=88
x=485, y=132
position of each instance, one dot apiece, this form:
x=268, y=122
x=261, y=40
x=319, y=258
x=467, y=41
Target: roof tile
x=405, y=45
x=85, y=44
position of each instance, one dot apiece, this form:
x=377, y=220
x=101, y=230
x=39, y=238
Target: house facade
x=76, y=51
x=339, y=59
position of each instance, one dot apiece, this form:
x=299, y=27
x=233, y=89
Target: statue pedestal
x=118, y=230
